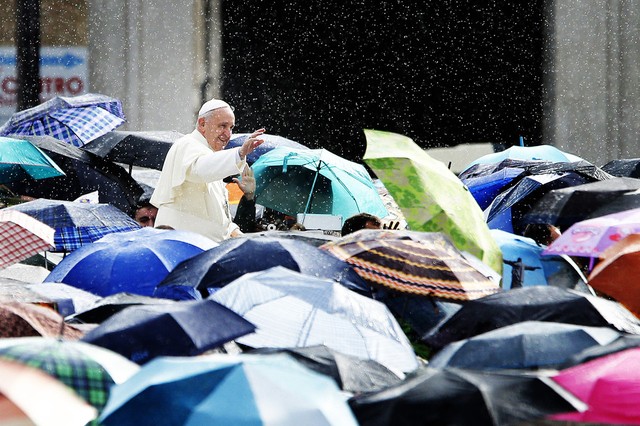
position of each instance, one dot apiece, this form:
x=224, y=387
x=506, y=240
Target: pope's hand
x=248, y=183
x=252, y=142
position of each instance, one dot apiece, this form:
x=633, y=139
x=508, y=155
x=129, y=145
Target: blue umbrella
x=215, y=268
x=315, y=181
x=485, y=188
x=227, y=390
x=529, y=153
x=143, y=332
x=20, y=160
x=75, y=120
x=270, y=142
x=77, y=224
x=133, y=262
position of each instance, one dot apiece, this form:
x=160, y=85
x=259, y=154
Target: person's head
x=360, y=221
x=145, y=214
x=215, y=122
x=542, y=233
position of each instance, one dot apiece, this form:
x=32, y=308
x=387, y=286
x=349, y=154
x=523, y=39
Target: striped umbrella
x=420, y=263
x=22, y=236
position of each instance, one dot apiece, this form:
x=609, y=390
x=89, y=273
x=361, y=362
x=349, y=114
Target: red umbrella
x=22, y=236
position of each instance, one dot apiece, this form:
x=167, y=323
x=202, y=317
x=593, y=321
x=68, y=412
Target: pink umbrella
x=609, y=385
x=589, y=238
x=22, y=236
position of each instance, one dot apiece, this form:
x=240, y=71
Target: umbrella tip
x=521, y=141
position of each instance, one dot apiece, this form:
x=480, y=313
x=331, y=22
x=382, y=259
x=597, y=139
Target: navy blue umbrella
x=143, y=332
x=270, y=142
x=201, y=275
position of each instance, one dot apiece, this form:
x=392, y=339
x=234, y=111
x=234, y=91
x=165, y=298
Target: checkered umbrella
x=76, y=120
x=77, y=224
x=22, y=236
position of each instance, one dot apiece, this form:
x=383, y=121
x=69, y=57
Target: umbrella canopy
x=623, y=167
x=609, y=387
x=454, y=396
x=536, y=303
x=486, y=187
x=351, y=374
x=104, y=307
x=143, y=332
x=270, y=142
x=134, y=262
x=626, y=341
x=524, y=345
x=75, y=120
x=430, y=196
x=613, y=275
x=314, y=181
x=543, y=153
x=290, y=309
x=88, y=370
x=223, y=389
x=197, y=277
x=565, y=206
x=20, y=159
x=77, y=224
x=68, y=299
x=84, y=173
x=144, y=149
x=420, y=263
x=18, y=319
x=22, y=236
x=31, y=396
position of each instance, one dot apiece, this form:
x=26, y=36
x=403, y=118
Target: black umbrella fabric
x=566, y=206
x=85, y=172
x=351, y=374
x=536, y=303
x=524, y=345
x=108, y=306
x=141, y=333
x=453, y=396
x=197, y=277
x=624, y=342
x=144, y=149
x=623, y=167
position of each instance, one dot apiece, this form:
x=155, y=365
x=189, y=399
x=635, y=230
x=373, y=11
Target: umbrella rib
x=341, y=183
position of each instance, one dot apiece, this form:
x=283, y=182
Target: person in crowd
x=191, y=194
x=366, y=221
x=542, y=233
x=145, y=214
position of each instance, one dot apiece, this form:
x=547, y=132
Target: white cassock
x=190, y=194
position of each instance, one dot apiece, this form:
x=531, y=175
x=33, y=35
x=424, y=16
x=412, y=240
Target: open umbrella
x=623, y=167
x=231, y=390
x=105, y=307
x=20, y=319
x=314, y=181
x=68, y=299
x=75, y=120
x=270, y=142
x=543, y=153
x=290, y=309
x=77, y=224
x=135, y=261
x=84, y=173
x=626, y=341
x=486, y=187
x=22, y=236
x=420, y=263
x=204, y=273
x=135, y=148
x=524, y=345
x=20, y=159
x=536, y=303
x=452, y=396
x=430, y=196
x=143, y=332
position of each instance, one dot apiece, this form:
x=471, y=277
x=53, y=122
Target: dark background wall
x=441, y=72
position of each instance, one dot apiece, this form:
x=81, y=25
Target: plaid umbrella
x=77, y=224
x=20, y=159
x=420, y=263
x=21, y=237
x=76, y=120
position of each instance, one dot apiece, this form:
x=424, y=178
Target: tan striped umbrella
x=421, y=263
x=22, y=236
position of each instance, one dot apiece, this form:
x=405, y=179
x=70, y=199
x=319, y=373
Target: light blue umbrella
x=314, y=181
x=227, y=390
x=20, y=160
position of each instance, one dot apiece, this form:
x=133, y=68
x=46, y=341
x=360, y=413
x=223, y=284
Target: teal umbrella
x=314, y=181
x=20, y=159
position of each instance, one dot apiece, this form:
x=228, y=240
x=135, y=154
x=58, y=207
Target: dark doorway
x=441, y=72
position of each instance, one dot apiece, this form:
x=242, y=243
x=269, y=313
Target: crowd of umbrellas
x=460, y=318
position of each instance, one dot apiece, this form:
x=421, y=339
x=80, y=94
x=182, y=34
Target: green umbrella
x=430, y=196
x=20, y=159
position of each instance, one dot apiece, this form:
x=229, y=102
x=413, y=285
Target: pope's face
x=217, y=128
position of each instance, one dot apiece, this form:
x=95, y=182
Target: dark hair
x=357, y=222
x=539, y=232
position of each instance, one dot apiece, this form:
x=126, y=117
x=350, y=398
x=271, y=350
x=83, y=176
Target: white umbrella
x=290, y=309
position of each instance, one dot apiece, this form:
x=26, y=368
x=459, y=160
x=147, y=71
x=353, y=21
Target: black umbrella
x=629, y=167
x=108, y=306
x=624, y=342
x=197, y=277
x=351, y=374
x=144, y=332
x=453, y=396
x=566, y=206
x=536, y=303
x=85, y=172
x=144, y=149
